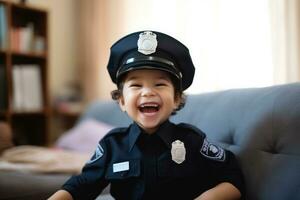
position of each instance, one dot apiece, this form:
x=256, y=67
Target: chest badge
x=178, y=151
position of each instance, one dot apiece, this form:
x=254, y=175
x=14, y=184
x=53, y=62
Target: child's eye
x=134, y=85
x=160, y=84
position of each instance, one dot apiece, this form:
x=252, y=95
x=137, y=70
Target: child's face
x=148, y=97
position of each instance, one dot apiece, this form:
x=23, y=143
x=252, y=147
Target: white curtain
x=285, y=29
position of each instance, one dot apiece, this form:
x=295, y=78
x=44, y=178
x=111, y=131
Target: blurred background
x=233, y=43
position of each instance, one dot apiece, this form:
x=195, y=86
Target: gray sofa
x=260, y=125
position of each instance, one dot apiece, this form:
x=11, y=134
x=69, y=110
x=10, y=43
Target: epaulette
x=116, y=131
x=192, y=128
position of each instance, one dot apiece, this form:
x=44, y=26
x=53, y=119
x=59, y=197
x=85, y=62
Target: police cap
x=151, y=50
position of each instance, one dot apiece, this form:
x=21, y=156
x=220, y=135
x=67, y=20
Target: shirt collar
x=134, y=132
x=165, y=132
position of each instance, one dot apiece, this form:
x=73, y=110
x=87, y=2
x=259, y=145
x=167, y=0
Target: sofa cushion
x=84, y=137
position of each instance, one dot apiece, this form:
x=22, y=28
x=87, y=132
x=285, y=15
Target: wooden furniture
x=24, y=95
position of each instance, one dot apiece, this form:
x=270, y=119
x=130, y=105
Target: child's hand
x=61, y=195
x=223, y=191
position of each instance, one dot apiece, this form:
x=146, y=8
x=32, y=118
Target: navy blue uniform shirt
x=141, y=166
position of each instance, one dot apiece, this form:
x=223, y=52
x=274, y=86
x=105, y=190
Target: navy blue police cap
x=151, y=50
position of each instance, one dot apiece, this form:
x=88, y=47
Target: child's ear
x=177, y=101
x=122, y=103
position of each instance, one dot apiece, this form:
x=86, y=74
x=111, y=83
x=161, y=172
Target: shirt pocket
x=124, y=179
x=168, y=168
x=121, y=170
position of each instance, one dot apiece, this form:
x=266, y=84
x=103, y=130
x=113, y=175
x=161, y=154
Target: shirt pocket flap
x=169, y=168
x=123, y=170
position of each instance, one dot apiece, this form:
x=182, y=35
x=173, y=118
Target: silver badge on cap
x=178, y=151
x=147, y=42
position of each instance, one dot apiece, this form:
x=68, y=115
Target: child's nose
x=147, y=91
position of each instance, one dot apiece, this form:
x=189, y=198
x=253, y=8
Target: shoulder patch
x=97, y=155
x=212, y=151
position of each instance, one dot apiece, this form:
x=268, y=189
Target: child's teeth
x=152, y=105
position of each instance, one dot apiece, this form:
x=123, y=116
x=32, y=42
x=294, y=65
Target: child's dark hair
x=116, y=94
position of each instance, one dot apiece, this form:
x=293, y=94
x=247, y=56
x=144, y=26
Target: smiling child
x=154, y=158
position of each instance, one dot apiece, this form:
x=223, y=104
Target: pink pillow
x=84, y=137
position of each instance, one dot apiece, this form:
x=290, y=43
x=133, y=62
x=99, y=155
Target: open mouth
x=149, y=107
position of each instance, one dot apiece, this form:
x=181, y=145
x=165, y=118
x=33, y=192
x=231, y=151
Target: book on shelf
x=24, y=40
x=3, y=28
x=3, y=88
x=17, y=88
x=27, y=88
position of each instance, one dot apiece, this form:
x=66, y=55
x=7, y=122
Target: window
x=230, y=41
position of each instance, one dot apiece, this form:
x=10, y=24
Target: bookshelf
x=24, y=94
